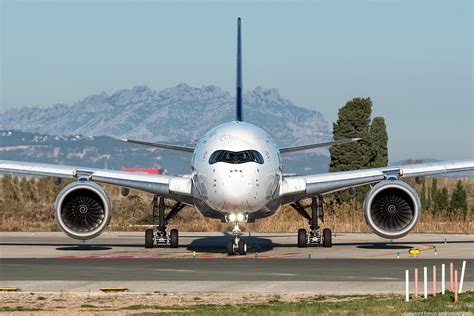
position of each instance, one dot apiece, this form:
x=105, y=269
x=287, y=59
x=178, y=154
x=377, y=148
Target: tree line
x=354, y=120
x=439, y=201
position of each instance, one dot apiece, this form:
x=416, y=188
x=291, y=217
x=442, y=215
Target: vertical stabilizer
x=238, y=114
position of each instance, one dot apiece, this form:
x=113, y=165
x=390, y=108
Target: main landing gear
x=315, y=235
x=159, y=235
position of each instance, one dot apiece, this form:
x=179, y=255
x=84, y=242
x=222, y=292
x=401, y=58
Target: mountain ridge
x=176, y=114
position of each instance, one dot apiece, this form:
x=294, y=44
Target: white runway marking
x=175, y=270
x=279, y=274
x=372, y=278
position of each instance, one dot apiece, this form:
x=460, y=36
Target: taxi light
x=240, y=217
x=232, y=217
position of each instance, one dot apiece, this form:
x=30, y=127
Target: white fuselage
x=236, y=167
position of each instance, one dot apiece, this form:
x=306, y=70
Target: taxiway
x=357, y=263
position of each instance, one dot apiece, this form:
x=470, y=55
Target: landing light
x=236, y=217
x=232, y=217
x=240, y=217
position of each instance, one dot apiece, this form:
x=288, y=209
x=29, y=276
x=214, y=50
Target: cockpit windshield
x=236, y=157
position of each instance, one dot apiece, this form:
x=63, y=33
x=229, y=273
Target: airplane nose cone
x=236, y=189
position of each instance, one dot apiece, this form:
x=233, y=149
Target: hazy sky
x=413, y=58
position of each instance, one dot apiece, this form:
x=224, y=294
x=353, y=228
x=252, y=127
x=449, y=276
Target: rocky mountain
x=177, y=114
x=108, y=152
x=180, y=114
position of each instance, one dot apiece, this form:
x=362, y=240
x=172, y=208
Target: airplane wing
x=291, y=149
x=294, y=188
x=166, y=186
x=160, y=145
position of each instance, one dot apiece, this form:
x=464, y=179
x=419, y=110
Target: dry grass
x=230, y=304
x=33, y=210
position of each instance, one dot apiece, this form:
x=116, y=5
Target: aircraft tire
x=230, y=248
x=327, y=238
x=302, y=238
x=242, y=246
x=149, y=238
x=174, y=238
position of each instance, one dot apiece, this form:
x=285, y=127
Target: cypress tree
x=428, y=198
x=378, y=143
x=442, y=201
x=353, y=121
x=458, y=201
x=423, y=196
x=433, y=194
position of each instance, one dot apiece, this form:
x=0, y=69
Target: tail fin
x=238, y=113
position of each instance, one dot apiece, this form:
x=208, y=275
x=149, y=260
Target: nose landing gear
x=160, y=236
x=236, y=244
x=316, y=235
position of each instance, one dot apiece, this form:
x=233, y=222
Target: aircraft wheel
x=327, y=238
x=149, y=238
x=242, y=245
x=302, y=238
x=230, y=248
x=174, y=238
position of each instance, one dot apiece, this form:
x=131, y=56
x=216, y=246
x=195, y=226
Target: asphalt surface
x=213, y=245
x=129, y=269
x=357, y=263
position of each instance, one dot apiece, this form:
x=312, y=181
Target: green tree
x=441, y=201
x=353, y=121
x=378, y=138
x=428, y=198
x=433, y=194
x=423, y=199
x=458, y=201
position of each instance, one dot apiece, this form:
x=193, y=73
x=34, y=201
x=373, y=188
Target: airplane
x=237, y=176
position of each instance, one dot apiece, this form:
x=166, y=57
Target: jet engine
x=83, y=210
x=392, y=209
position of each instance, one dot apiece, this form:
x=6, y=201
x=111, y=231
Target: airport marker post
x=463, y=269
x=434, y=281
x=451, y=271
x=416, y=283
x=456, y=286
x=425, y=282
x=407, y=286
x=443, y=278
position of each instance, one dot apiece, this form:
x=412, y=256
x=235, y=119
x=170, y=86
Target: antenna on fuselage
x=238, y=97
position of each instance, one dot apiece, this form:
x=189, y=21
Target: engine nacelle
x=392, y=209
x=83, y=210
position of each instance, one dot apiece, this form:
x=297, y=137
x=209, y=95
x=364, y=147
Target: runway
x=356, y=263
x=92, y=269
x=213, y=245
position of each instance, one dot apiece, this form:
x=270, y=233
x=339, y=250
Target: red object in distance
x=143, y=170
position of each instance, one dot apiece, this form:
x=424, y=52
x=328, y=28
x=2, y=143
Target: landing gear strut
x=315, y=235
x=236, y=244
x=159, y=235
